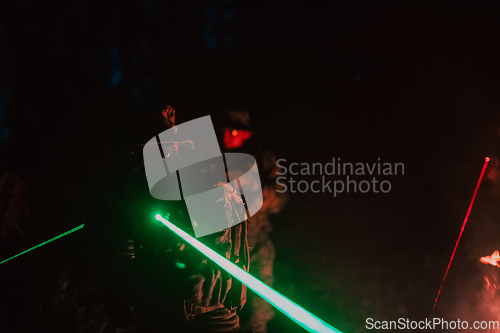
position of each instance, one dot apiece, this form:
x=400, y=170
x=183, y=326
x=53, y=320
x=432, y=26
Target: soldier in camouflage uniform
x=238, y=135
x=151, y=279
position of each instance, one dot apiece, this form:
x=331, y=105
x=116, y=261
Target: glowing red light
x=494, y=259
x=235, y=138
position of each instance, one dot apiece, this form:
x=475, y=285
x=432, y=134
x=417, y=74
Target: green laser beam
x=299, y=315
x=44, y=243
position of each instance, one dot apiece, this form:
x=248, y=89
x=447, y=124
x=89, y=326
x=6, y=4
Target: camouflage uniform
x=238, y=136
x=160, y=282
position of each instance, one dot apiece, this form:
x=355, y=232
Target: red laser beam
x=486, y=160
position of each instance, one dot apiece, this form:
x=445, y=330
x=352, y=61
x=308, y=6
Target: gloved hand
x=219, y=320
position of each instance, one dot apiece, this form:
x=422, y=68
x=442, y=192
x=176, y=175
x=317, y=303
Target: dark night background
x=409, y=82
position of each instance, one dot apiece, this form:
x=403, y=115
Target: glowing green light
x=44, y=243
x=180, y=265
x=302, y=317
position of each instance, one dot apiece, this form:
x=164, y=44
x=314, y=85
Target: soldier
x=238, y=135
x=12, y=205
x=153, y=281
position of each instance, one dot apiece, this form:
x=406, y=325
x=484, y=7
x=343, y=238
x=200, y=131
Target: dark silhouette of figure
x=149, y=278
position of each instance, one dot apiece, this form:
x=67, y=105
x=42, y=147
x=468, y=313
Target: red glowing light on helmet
x=235, y=138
